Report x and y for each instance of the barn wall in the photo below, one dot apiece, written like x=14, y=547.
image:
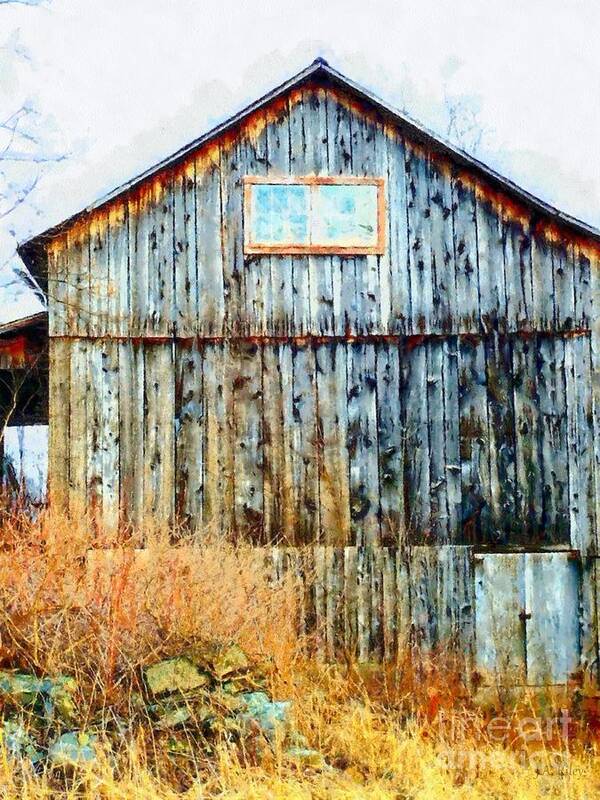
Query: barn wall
x=167, y=258
x=503, y=302
x=428, y=440
x=385, y=421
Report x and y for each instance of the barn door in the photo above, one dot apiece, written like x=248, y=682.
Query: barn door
x=527, y=617
x=552, y=599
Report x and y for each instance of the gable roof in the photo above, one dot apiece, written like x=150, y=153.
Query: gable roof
x=321, y=69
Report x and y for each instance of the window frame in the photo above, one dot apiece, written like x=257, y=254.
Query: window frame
x=257, y=248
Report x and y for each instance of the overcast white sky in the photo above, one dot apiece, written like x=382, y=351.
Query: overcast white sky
x=122, y=83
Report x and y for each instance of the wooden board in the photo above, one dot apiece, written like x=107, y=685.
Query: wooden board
x=543, y=306
x=159, y=439
x=473, y=432
x=316, y=161
x=464, y=216
x=98, y=282
x=390, y=435
x=554, y=449
x=499, y=622
x=580, y=445
x=77, y=428
x=57, y=276
x=445, y=295
x=246, y=387
x=118, y=290
x=416, y=443
x=280, y=514
x=59, y=423
x=300, y=442
x=339, y=138
x=281, y=283
x=219, y=486
x=185, y=256
x=419, y=234
x=362, y=445
x=400, y=318
x=588, y=628
x=528, y=430
x=583, y=283
x=131, y=434
x=160, y=257
x=503, y=523
x=452, y=466
x=302, y=163
x=442, y=599
x=78, y=289
x=332, y=410
x=595, y=386
x=366, y=142
x=109, y=421
x=552, y=599
x=563, y=277
x=209, y=252
x=138, y=211
x=189, y=429
x=492, y=280
x=94, y=431
x=257, y=295
x=437, y=434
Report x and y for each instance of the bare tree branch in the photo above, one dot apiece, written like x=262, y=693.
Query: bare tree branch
x=22, y=2
x=20, y=198
x=20, y=155
x=24, y=143
x=464, y=126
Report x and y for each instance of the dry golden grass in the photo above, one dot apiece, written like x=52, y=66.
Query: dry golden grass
x=393, y=732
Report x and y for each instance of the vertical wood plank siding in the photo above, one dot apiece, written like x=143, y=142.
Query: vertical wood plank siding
x=460, y=257
x=374, y=418
x=340, y=443
x=467, y=417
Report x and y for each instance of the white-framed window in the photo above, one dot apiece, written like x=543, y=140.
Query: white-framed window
x=336, y=215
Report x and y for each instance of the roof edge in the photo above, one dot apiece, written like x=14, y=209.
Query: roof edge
x=457, y=154
x=28, y=249
x=24, y=322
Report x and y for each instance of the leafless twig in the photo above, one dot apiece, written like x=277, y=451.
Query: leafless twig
x=22, y=2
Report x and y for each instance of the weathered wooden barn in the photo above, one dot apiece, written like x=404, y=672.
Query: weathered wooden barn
x=320, y=327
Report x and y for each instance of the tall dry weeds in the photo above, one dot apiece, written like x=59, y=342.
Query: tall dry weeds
x=400, y=730
x=100, y=614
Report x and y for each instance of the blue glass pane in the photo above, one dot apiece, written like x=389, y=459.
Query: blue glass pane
x=345, y=215
x=279, y=214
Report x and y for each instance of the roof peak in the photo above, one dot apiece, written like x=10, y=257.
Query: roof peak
x=320, y=65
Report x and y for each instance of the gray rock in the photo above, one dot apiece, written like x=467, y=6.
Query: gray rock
x=173, y=675
x=73, y=749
